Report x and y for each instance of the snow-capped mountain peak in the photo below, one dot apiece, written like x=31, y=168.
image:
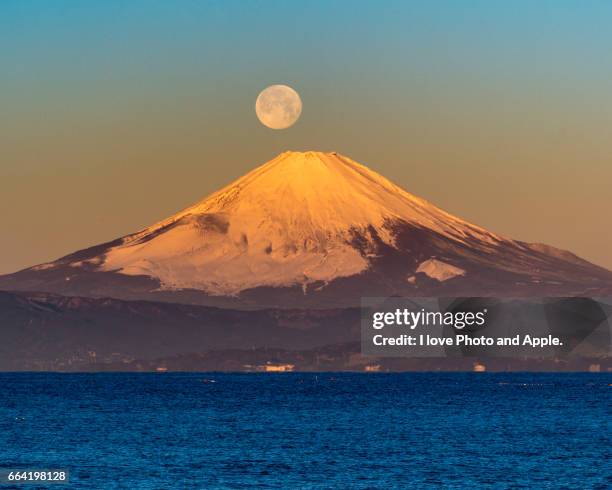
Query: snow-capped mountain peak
x=289, y=221
x=320, y=229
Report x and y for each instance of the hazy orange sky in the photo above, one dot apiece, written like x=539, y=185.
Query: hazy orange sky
x=117, y=114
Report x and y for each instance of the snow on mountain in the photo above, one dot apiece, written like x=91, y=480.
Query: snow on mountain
x=312, y=229
x=439, y=270
x=290, y=221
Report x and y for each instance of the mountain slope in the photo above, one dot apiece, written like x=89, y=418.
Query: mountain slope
x=46, y=331
x=316, y=229
x=290, y=221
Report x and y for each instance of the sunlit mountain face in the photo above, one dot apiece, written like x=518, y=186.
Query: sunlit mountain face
x=312, y=229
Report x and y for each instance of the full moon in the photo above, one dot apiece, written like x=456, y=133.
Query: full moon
x=278, y=106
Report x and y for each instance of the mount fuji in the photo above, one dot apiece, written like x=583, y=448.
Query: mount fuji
x=312, y=229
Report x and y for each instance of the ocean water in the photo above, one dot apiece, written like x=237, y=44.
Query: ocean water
x=416, y=430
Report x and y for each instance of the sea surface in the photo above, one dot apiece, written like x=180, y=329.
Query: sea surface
x=416, y=430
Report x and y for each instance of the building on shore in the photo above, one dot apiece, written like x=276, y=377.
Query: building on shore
x=479, y=367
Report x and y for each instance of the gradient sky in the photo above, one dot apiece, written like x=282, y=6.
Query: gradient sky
x=116, y=114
